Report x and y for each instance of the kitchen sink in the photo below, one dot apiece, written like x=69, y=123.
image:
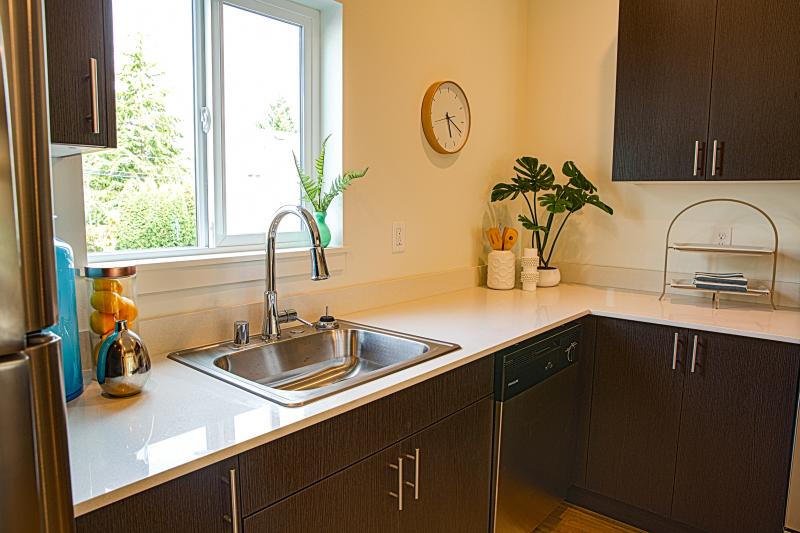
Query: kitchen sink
x=307, y=364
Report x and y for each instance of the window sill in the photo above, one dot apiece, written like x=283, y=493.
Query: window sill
x=166, y=274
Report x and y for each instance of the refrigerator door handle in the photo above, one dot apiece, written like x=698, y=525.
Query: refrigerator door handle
x=27, y=136
x=50, y=428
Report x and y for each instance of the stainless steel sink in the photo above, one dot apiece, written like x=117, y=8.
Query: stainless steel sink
x=306, y=364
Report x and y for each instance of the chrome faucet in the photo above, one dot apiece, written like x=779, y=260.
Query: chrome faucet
x=273, y=318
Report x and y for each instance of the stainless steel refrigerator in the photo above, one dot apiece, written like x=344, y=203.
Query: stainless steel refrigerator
x=35, y=494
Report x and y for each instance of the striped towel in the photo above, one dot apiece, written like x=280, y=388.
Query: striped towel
x=722, y=287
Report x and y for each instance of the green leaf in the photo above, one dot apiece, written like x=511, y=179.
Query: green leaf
x=595, y=201
x=527, y=223
x=576, y=177
x=501, y=191
x=310, y=186
x=338, y=186
x=319, y=164
x=534, y=176
x=554, y=202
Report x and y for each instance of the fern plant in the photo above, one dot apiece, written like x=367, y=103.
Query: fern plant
x=314, y=187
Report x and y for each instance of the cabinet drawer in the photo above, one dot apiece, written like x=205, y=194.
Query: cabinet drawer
x=280, y=468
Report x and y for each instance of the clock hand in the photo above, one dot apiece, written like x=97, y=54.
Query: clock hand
x=450, y=131
x=454, y=125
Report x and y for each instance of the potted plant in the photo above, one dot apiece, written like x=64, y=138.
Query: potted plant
x=538, y=179
x=314, y=189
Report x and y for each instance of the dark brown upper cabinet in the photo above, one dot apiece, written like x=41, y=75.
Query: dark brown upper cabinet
x=755, y=96
x=664, y=57
x=80, y=65
x=707, y=90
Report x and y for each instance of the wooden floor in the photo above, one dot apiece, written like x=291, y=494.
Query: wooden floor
x=571, y=519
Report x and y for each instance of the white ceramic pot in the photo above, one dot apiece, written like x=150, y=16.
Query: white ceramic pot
x=501, y=273
x=549, y=277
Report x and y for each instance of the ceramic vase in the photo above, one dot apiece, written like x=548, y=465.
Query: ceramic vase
x=529, y=263
x=549, y=276
x=324, y=230
x=501, y=273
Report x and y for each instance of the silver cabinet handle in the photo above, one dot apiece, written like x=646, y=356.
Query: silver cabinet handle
x=675, y=352
x=714, y=159
x=694, y=353
x=234, y=516
x=696, y=156
x=399, y=493
x=95, y=117
x=414, y=458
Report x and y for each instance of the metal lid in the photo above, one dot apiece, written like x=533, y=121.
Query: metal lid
x=115, y=271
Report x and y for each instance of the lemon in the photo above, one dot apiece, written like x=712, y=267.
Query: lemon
x=127, y=310
x=101, y=323
x=105, y=301
x=105, y=284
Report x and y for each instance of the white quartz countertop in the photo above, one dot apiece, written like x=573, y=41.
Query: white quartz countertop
x=185, y=420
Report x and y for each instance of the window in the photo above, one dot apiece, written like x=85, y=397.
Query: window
x=213, y=100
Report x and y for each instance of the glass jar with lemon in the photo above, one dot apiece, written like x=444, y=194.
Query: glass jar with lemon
x=112, y=297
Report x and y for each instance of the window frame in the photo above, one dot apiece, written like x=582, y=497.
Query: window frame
x=308, y=20
x=209, y=142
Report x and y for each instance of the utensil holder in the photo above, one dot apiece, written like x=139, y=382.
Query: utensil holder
x=501, y=272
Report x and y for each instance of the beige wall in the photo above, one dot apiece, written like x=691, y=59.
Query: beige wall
x=392, y=52
x=572, y=61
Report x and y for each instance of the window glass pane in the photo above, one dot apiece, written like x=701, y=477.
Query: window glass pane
x=142, y=194
x=262, y=78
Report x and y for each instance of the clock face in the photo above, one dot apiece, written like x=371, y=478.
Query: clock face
x=446, y=117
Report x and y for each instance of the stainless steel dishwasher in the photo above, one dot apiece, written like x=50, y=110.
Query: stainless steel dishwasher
x=536, y=410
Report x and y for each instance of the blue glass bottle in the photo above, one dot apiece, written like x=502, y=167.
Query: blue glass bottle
x=67, y=326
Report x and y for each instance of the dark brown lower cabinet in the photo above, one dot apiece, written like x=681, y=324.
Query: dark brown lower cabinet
x=635, y=412
x=199, y=502
x=454, y=473
x=705, y=446
x=735, y=442
x=444, y=481
x=356, y=499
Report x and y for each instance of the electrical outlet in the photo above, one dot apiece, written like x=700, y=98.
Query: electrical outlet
x=398, y=237
x=723, y=236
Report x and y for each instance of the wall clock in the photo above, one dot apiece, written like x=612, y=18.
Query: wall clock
x=446, y=118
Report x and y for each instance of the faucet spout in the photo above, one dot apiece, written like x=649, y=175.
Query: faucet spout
x=319, y=267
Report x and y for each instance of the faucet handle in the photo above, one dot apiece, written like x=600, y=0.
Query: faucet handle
x=287, y=315
x=241, y=333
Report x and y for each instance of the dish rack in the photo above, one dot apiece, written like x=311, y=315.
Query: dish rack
x=717, y=249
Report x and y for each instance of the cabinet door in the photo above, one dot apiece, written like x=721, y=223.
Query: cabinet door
x=736, y=434
x=664, y=56
x=356, y=499
x=755, y=100
x=450, y=462
x=636, y=403
x=199, y=502
x=82, y=108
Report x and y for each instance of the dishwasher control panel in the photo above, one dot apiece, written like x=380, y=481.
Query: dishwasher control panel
x=528, y=363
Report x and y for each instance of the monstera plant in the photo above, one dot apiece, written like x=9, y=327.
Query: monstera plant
x=558, y=201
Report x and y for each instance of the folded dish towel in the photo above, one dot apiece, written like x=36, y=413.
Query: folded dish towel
x=726, y=280
x=720, y=274
x=722, y=287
